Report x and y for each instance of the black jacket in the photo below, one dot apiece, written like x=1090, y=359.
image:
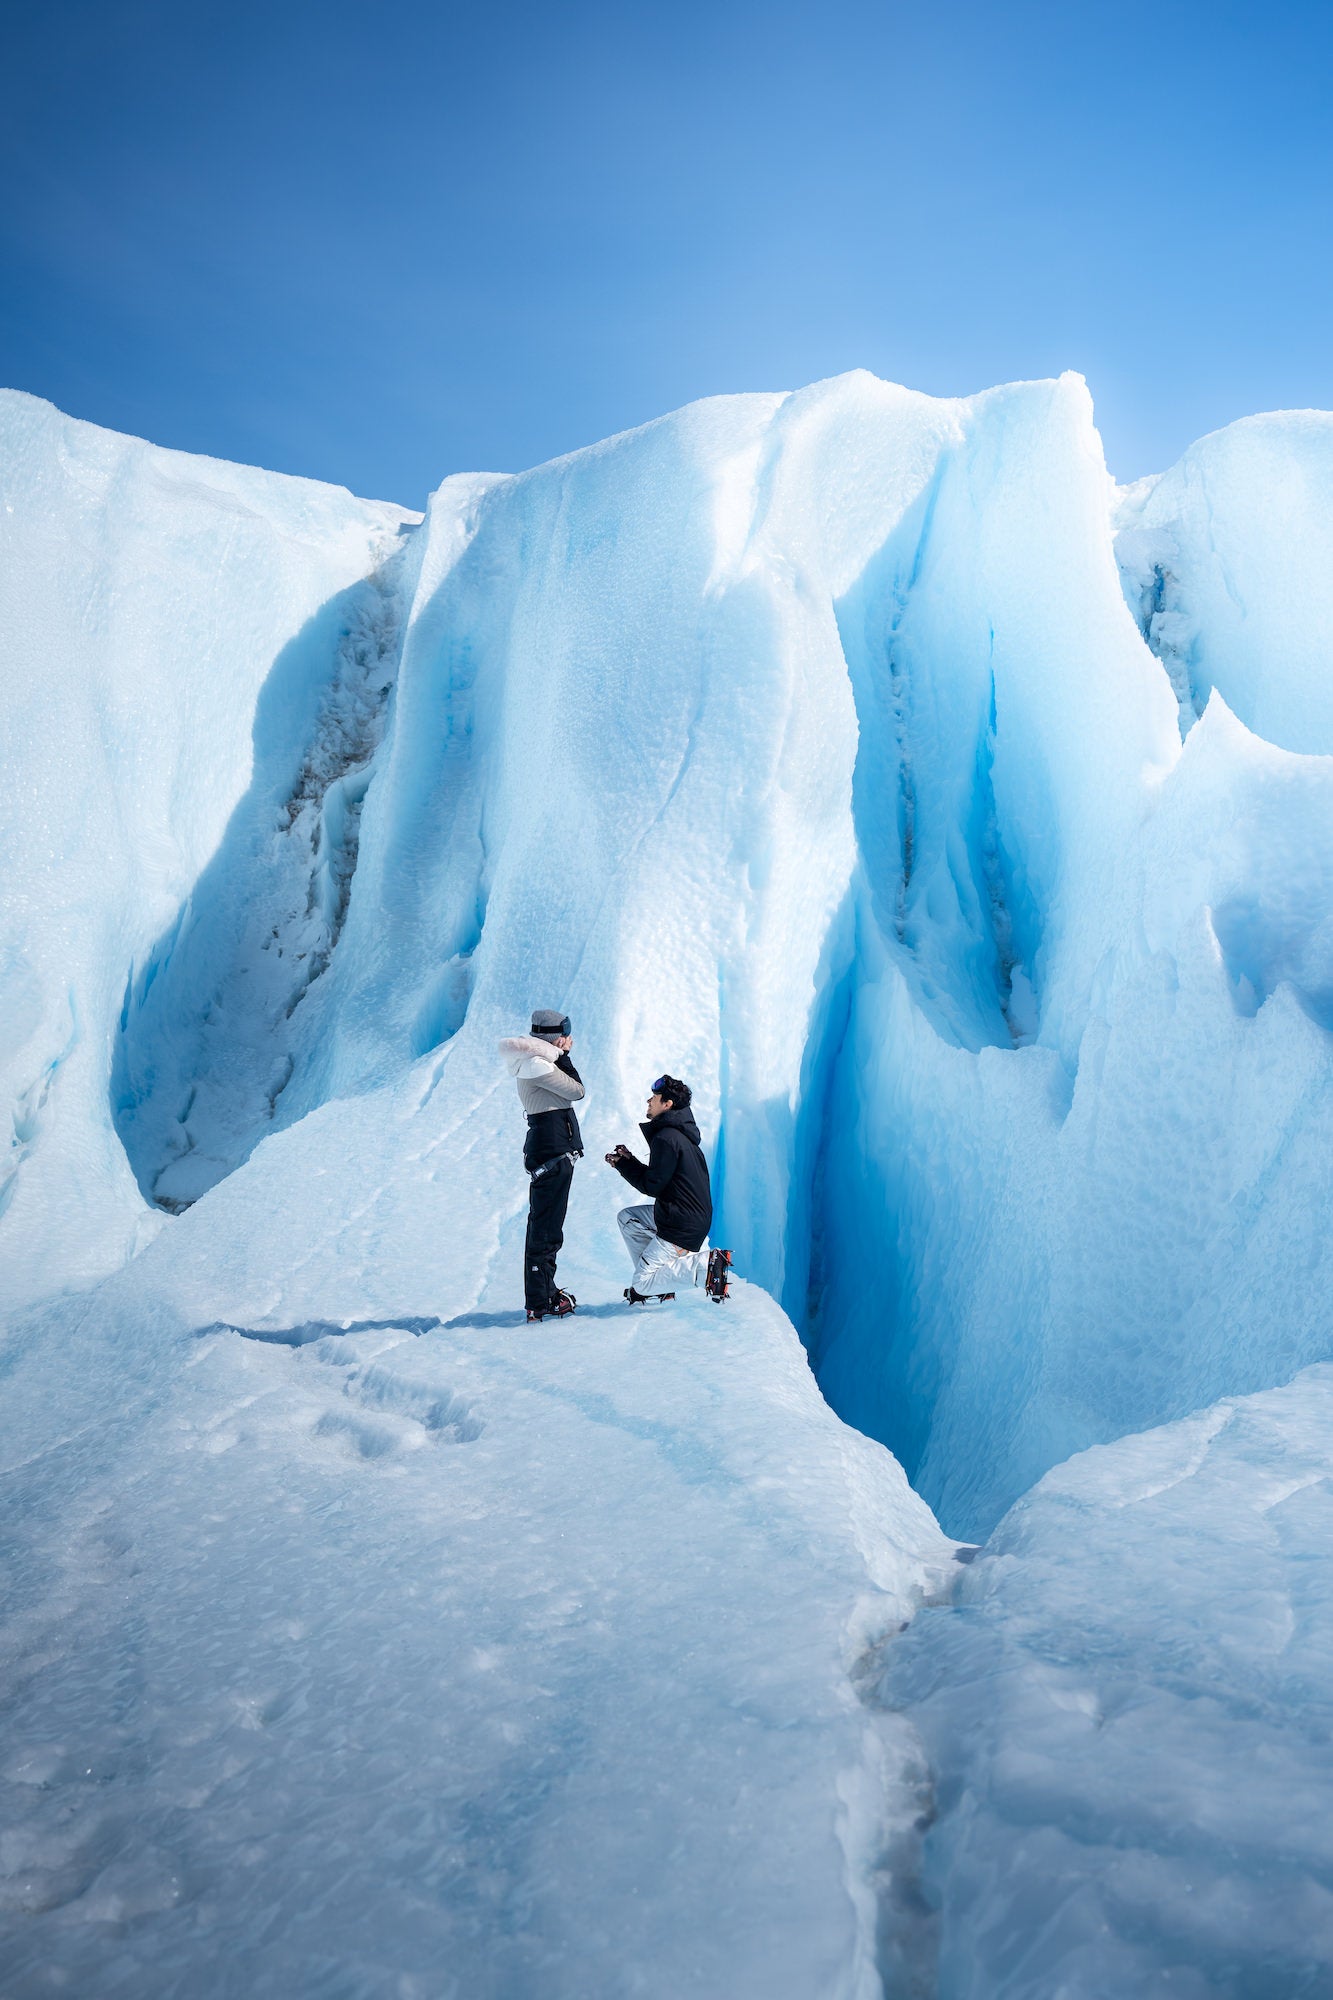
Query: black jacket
x=676, y=1176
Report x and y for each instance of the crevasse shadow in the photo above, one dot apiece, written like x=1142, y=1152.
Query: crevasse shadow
x=209, y=1034
x=609, y=1309
x=311, y=1330
x=943, y=877
x=317, y=1329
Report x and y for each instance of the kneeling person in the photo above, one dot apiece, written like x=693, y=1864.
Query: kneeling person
x=667, y=1235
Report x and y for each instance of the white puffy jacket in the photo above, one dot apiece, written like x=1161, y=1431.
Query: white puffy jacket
x=541, y=1086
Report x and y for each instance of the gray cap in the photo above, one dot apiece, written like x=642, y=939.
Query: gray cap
x=548, y=1024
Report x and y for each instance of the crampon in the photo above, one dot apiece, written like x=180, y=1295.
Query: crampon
x=560, y=1307
x=718, y=1282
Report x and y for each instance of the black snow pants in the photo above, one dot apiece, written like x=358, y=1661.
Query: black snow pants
x=548, y=1198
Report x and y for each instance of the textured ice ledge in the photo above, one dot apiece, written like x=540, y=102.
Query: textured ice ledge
x=1131, y=1717
x=531, y=1654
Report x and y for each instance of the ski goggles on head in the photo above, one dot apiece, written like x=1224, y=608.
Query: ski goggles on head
x=659, y=1086
x=551, y=1026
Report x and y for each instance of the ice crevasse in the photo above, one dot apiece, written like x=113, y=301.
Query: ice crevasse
x=957, y=824
x=813, y=742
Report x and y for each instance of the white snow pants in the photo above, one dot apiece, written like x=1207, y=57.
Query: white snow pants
x=658, y=1266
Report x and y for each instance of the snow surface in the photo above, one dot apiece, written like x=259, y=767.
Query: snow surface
x=446, y=1656
x=835, y=750
x=1130, y=1721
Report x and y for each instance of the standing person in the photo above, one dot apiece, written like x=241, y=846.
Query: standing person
x=667, y=1235
x=548, y=1087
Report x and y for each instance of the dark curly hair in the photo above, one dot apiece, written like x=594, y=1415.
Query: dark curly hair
x=672, y=1087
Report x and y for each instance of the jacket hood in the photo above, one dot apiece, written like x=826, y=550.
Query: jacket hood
x=681, y=1117
x=519, y=1049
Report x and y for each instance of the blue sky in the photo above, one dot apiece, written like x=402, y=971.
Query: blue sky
x=380, y=243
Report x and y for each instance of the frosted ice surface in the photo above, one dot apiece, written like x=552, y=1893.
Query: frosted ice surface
x=1074, y=1174
x=809, y=746
x=431, y=1648
x=808, y=741
x=437, y=1653
x=159, y=612
x=1227, y=562
x=1130, y=1720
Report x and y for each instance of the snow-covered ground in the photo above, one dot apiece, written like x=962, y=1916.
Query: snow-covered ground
x=1130, y=1720
x=444, y=1655
x=962, y=829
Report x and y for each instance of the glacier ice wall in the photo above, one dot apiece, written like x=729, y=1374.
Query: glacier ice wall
x=828, y=749
x=1228, y=563
x=160, y=614
x=1114, y=1213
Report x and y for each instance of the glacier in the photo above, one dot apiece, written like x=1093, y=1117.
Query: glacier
x=1128, y=1719
x=958, y=824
